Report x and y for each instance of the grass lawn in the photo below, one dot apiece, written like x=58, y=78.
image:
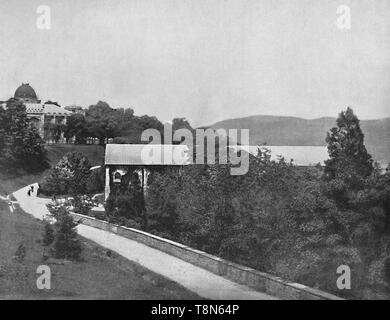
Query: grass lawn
x=101, y=274
x=11, y=183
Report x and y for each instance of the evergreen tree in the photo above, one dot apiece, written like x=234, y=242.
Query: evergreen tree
x=66, y=243
x=349, y=160
x=69, y=176
x=20, y=144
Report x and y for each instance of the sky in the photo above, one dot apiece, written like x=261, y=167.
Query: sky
x=206, y=60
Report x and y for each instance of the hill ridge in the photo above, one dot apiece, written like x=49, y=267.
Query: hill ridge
x=296, y=131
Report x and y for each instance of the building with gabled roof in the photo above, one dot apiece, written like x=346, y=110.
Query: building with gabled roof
x=41, y=115
x=124, y=161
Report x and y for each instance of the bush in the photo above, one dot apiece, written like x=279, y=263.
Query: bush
x=48, y=234
x=82, y=205
x=126, y=203
x=20, y=253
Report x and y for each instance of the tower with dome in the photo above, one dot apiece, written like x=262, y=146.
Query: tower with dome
x=42, y=116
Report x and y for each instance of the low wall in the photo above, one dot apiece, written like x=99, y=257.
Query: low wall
x=257, y=280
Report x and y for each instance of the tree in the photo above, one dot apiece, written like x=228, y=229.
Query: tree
x=53, y=131
x=103, y=121
x=181, y=123
x=376, y=193
x=132, y=128
x=52, y=102
x=127, y=119
x=96, y=181
x=127, y=201
x=349, y=160
x=76, y=126
x=20, y=144
x=69, y=176
x=66, y=243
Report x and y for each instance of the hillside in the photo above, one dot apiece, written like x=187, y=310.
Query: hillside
x=101, y=274
x=94, y=153
x=292, y=131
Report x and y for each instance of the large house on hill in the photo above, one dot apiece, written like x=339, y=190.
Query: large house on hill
x=41, y=115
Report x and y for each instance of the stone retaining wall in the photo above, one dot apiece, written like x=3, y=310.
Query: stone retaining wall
x=257, y=280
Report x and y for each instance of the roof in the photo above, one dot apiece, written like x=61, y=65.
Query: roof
x=49, y=109
x=25, y=91
x=146, y=154
x=53, y=109
x=34, y=107
x=301, y=155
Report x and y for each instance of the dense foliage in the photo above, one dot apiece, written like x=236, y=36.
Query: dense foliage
x=126, y=204
x=76, y=126
x=69, y=176
x=278, y=218
x=95, y=181
x=298, y=223
x=103, y=122
x=21, y=147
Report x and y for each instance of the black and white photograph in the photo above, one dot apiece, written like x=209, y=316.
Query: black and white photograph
x=208, y=151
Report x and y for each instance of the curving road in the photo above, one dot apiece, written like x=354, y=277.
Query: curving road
x=196, y=279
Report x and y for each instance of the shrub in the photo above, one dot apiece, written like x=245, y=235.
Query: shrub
x=48, y=234
x=20, y=253
x=82, y=205
x=126, y=203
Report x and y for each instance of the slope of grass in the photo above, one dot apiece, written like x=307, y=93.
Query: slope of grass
x=101, y=274
x=11, y=182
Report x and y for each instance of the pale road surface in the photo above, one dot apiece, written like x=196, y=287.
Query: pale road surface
x=198, y=280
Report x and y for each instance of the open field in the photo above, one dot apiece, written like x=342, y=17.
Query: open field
x=10, y=183
x=101, y=274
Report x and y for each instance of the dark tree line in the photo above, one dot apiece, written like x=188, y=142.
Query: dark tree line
x=103, y=122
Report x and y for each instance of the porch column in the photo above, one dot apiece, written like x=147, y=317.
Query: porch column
x=107, y=187
x=42, y=126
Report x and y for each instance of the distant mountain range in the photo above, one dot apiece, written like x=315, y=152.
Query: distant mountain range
x=292, y=131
